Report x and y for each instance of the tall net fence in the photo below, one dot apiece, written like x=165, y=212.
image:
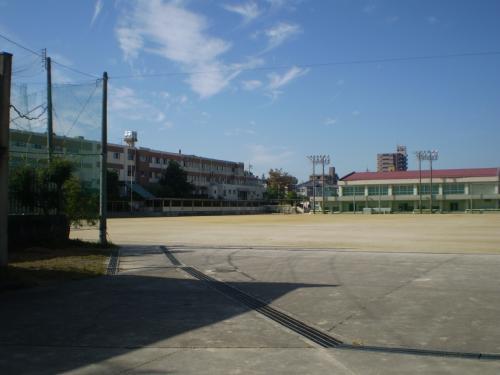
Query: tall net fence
x=64, y=178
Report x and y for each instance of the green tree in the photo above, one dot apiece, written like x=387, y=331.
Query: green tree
x=22, y=186
x=51, y=180
x=279, y=184
x=80, y=204
x=113, y=185
x=53, y=188
x=173, y=182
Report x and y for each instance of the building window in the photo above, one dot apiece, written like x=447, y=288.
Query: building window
x=116, y=155
x=378, y=190
x=426, y=189
x=130, y=155
x=130, y=170
x=402, y=190
x=453, y=189
x=354, y=190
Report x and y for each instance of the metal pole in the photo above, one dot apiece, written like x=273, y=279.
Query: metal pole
x=323, y=185
x=5, y=77
x=420, y=183
x=379, y=198
x=50, y=131
x=431, y=182
x=314, y=186
x=103, y=209
x=131, y=184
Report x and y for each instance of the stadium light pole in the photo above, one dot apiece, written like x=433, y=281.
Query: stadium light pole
x=324, y=161
x=316, y=159
x=431, y=156
x=313, y=159
x=419, y=155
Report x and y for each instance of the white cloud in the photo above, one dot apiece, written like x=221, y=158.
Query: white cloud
x=330, y=121
x=181, y=36
x=97, y=11
x=126, y=103
x=130, y=42
x=277, y=81
x=265, y=158
x=248, y=11
x=290, y=5
x=251, y=84
x=280, y=33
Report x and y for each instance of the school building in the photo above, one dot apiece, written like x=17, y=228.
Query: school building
x=453, y=190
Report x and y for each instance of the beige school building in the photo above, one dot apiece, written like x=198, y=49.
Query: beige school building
x=453, y=190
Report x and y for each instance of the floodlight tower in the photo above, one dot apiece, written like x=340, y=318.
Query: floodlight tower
x=420, y=157
x=431, y=156
x=130, y=137
x=316, y=159
x=325, y=159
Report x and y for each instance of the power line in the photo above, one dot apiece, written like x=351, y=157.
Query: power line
x=314, y=65
x=20, y=45
x=75, y=70
x=42, y=55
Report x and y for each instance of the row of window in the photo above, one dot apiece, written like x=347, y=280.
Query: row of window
x=403, y=189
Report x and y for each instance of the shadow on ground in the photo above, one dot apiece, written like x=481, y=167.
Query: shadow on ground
x=97, y=319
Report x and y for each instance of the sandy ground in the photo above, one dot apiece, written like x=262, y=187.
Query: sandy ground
x=459, y=233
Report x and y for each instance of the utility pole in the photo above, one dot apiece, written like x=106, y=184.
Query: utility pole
x=5, y=77
x=103, y=201
x=50, y=131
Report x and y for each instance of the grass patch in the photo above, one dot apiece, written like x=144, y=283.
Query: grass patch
x=45, y=265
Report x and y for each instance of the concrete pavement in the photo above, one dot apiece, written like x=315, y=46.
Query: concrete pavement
x=154, y=318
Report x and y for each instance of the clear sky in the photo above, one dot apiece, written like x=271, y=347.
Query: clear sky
x=246, y=84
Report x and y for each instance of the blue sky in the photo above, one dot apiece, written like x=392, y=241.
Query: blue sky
x=238, y=107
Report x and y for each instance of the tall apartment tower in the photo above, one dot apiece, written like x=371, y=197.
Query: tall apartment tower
x=394, y=161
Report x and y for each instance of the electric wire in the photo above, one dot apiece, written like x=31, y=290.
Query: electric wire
x=42, y=56
x=314, y=65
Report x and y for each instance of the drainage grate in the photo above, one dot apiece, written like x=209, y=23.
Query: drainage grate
x=322, y=339
x=113, y=263
x=170, y=256
x=293, y=324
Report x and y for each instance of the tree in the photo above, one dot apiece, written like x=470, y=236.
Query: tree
x=113, y=185
x=279, y=183
x=173, y=182
x=54, y=188
x=80, y=204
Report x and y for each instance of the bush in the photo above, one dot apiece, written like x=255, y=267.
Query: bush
x=54, y=189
